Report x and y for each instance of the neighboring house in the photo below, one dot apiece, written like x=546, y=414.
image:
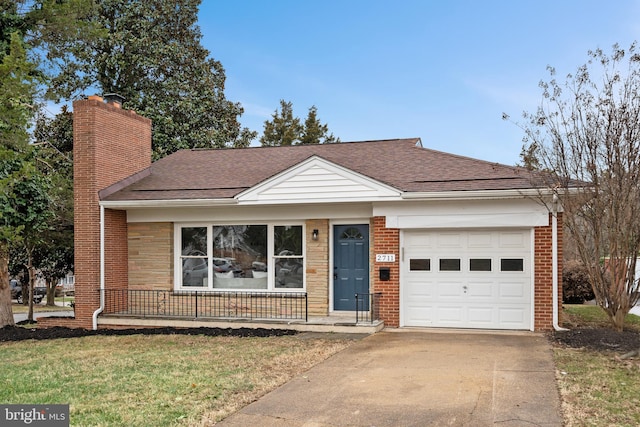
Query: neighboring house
x=66, y=284
x=424, y=238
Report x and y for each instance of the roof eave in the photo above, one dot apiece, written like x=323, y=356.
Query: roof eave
x=477, y=194
x=173, y=203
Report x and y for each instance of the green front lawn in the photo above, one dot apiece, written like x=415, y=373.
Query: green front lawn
x=593, y=316
x=597, y=387
x=158, y=380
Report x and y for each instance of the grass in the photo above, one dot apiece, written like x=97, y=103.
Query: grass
x=593, y=316
x=597, y=388
x=138, y=380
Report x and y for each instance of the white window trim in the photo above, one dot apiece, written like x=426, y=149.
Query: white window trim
x=271, y=256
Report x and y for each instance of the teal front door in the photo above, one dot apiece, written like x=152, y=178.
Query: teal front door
x=350, y=266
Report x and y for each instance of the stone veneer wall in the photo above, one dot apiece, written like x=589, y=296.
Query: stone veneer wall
x=318, y=267
x=151, y=256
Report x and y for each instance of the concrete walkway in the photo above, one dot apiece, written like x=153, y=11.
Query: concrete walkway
x=420, y=378
x=19, y=317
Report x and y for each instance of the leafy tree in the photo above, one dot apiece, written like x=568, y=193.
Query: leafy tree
x=18, y=87
x=586, y=137
x=20, y=81
x=17, y=92
x=150, y=53
x=286, y=129
x=283, y=129
x=54, y=154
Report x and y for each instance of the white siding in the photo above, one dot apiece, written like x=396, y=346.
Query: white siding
x=315, y=181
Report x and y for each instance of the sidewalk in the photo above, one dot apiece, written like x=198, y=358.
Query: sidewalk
x=20, y=317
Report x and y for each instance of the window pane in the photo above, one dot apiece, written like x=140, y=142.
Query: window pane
x=476, y=264
x=420, y=264
x=239, y=251
x=450, y=264
x=194, y=272
x=194, y=241
x=239, y=248
x=287, y=240
x=352, y=233
x=289, y=272
x=511, y=264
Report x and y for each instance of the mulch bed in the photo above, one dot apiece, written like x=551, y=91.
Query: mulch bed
x=599, y=339
x=17, y=333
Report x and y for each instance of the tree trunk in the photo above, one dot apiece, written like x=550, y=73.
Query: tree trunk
x=32, y=279
x=51, y=292
x=6, y=312
x=617, y=319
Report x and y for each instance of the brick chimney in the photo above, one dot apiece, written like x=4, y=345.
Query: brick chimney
x=110, y=144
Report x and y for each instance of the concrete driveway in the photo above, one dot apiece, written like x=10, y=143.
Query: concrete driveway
x=420, y=378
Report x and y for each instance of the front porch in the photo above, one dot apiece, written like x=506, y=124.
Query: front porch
x=128, y=308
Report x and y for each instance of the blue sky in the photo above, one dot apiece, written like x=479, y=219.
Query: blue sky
x=443, y=71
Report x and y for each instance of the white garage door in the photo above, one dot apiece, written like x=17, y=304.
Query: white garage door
x=467, y=279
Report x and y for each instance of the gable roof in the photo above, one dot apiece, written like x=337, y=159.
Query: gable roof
x=402, y=164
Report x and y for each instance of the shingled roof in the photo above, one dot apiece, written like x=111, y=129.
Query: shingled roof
x=400, y=163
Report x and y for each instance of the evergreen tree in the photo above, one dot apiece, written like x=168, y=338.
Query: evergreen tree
x=314, y=131
x=24, y=199
x=283, y=129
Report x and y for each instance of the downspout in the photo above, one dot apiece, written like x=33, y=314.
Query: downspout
x=554, y=261
x=101, y=308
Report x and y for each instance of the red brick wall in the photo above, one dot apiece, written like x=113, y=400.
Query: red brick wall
x=543, y=275
x=110, y=144
x=387, y=241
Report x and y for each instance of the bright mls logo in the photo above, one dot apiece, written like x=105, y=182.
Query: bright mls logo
x=34, y=415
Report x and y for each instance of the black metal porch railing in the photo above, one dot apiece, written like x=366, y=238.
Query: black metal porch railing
x=198, y=304
x=368, y=307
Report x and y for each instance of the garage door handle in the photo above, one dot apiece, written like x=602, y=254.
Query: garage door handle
x=465, y=288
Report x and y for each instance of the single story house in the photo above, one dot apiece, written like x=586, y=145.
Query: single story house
x=412, y=236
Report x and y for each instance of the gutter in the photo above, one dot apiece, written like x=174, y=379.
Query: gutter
x=101, y=308
x=174, y=203
x=472, y=194
x=554, y=261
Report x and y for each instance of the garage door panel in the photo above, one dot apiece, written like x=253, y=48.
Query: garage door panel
x=480, y=240
x=512, y=240
x=481, y=315
x=514, y=316
x=481, y=293
x=420, y=240
x=510, y=290
x=480, y=290
x=449, y=240
x=421, y=315
x=449, y=289
x=450, y=314
x=417, y=289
